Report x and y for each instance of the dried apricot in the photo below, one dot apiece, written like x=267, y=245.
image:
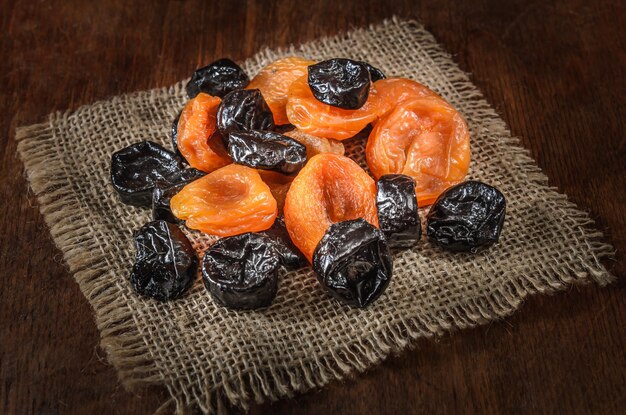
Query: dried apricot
x=316, y=145
x=197, y=139
x=425, y=138
x=274, y=81
x=226, y=202
x=329, y=189
x=394, y=91
x=322, y=120
x=279, y=185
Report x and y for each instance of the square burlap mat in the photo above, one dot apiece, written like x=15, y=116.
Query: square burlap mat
x=205, y=355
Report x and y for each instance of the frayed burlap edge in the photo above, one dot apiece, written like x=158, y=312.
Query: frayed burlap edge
x=129, y=353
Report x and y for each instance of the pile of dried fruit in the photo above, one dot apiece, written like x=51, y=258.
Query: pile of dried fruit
x=267, y=173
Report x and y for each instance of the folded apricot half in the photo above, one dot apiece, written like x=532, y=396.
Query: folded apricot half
x=229, y=201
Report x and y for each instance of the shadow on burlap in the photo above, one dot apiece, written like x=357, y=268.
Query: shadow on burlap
x=207, y=356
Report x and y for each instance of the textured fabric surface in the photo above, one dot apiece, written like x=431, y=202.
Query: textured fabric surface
x=205, y=355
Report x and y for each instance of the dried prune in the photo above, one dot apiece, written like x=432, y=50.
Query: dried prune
x=274, y=81
x=397, y=209
x=241, y=272
x=342, y=83
x=197, y=138
x=316, y=145
x=136, y=169
x=266, y=150
x=467, y=217
x=165, y=263
x=322, y=120
x=165, y=190
x=174, y=134
x=329, y=189
x=425, y=138
x=243, y=110
x=226, y=202
x=375, y=73
x=217, y=79
x=353, y=263
x=290, y=256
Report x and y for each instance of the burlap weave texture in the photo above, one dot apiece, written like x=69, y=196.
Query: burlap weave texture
x=204, y=354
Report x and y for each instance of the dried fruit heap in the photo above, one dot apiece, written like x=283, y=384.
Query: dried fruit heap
x=269, y=147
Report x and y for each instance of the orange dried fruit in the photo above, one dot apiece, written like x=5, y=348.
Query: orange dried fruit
x=229, y=201
x=316, y=145
x=425, y=138
x=394, y=91
x=329, y=189
x=198, y=141
x=279, y=185
x=322, y=120
x=274, y=81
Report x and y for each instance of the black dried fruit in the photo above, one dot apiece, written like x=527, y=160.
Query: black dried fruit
x=290, y=256
x=266, y=150
x=375, y=73
x=165, y=190
x=165, y=264
x=353, y=263
x=217, y=79
x=342, y=83
x=175, y=135
x=467, y=217
x=136, y=169
x=243, y=110
x=241, y=272
x=398, y=216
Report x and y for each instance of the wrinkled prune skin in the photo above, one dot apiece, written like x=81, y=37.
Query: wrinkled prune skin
x=166, y=189
x=165, y=263
x=398, y=216
x=175, y=135
x=243, y=110
x=375, y=73
x=241, y=272
x=267, y=150
x=217, y=79
x=136, y=169
x=353, y=263
x=467, y=217
x=342, y=83
x=290, y=256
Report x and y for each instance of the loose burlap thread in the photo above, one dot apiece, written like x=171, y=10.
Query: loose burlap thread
x=205, y=355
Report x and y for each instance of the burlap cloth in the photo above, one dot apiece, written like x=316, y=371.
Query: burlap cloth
x=205, y=355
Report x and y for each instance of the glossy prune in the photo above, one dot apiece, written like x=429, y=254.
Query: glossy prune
x=266, y=150
x=243, y=110
x=241, y=272
x=353, y=263
x=165, y=263
x=217, y=79
x=342, y=83
x=290, y=256
x=136, y=169
x=375, y=73
x=398, y=216
x=467, y=217
x=174, y=134
x=165, y=190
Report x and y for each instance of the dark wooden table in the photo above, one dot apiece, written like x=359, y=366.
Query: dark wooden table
x=556, y=71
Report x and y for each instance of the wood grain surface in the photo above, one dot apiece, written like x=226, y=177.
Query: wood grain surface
x=556, y=72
